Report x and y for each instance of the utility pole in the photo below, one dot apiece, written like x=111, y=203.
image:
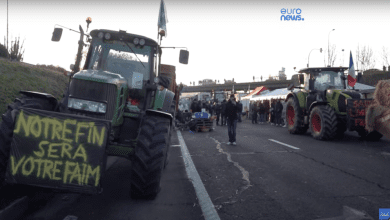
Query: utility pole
x=7, y=26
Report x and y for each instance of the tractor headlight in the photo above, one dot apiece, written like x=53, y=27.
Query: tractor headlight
x=156, y=80
x=100, y=35
x=107, y=36
x=142, y=42
x=87, y=105
x=136, y=41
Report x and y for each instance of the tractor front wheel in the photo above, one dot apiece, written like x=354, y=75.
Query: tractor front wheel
x=323, y=123
x=294, y=118
x=6, y=134
x=149, y=157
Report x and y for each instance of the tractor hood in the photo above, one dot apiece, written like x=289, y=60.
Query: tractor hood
x=100, y=76
x=351, y=93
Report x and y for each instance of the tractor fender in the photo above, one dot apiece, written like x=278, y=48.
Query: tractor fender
x=163, y=100
x=40, y=95
x=295, y=97
x=159, y=113
x=316, y=103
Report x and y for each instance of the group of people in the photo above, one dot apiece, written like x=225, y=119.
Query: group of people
x=262, y=109
x=230, y=112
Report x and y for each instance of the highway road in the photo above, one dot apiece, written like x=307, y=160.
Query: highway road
x=270, y=174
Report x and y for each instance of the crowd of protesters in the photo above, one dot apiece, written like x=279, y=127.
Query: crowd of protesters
x=272, y=111
x=260, y=112
x=228, y=113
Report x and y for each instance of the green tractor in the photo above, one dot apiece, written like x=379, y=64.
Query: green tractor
x=117, y=105
x=324, y=105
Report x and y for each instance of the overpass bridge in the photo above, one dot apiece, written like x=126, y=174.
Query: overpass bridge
x=271, y=85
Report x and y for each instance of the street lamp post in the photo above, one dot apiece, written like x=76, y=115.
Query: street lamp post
x=308, y=59
x=328, y=46
x=343, y=56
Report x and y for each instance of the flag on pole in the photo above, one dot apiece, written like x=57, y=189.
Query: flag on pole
x=351, y=72
x=162, y=18
x=233, y=88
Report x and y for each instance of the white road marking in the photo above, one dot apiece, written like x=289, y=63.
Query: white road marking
x=287, y=145
x=205, y=202
x=176, y=145
x=245, y=174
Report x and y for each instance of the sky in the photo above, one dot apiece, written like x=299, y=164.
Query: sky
x=226, y=39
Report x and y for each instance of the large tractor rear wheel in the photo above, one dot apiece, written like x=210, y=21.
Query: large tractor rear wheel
x=149, y=158
x=323, y=123
x=294, y=118
x=7, y=128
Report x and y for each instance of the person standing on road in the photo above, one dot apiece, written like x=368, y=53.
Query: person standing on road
x=231, y=114
x=247, y=111
x=239, y=114
x=194, y=106
x=254, y=113
x=218, y=111
x=272, y=121
x=250, y=109
x=278, y=113
x=213, y=109
x=262, y=112
x=223, y=112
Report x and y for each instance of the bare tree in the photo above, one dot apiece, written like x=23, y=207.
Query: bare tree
x=385, y=56
x=16, y=52
x=332, y=55
x=357, y=58
x=366, y=58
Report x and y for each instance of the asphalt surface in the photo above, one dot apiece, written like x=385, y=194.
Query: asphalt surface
x=270, y=174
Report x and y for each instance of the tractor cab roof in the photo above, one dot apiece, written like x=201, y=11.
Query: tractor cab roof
x=321, y=69
x=122, y=35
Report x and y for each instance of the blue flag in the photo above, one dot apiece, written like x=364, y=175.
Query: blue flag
x=162, y=18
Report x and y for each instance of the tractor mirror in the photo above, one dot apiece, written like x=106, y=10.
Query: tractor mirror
x=301, y=79
x=71, y=67
x=184, y=56
x=57, y=33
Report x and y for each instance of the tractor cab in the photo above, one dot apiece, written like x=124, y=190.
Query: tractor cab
x=323, y=78
x=128, y=55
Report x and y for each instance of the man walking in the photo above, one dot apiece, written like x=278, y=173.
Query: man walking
x=231, y=114
x=254, y=113
x=239, y=113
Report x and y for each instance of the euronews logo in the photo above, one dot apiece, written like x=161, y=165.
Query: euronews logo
x=291, y=14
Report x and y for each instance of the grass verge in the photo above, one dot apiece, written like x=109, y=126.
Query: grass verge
x=16, y=76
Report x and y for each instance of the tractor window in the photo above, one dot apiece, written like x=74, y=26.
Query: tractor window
x=116, y=57
x=328, y=80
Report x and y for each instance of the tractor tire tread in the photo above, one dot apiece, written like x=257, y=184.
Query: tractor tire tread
x=149, y=158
